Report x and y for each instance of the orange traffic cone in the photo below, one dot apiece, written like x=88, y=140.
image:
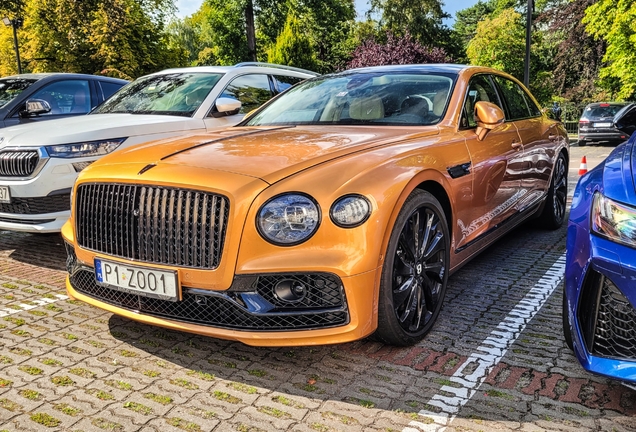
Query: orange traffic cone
x=583, y=166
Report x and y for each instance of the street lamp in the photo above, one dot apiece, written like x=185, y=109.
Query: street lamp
x=16, y=23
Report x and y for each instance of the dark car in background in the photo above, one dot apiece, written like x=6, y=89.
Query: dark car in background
x=607, y=122
x=66, y=94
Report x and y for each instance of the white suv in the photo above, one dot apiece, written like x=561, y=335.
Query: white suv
x=39, y=162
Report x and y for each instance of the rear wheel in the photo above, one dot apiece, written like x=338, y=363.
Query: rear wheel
x=553, y=213
x=415, y=271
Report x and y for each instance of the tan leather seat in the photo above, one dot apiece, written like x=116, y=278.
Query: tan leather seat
x=366, y=108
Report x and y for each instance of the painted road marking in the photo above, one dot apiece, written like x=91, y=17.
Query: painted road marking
x=486, y=356
x=36, y=303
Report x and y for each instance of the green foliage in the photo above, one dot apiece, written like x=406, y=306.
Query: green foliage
x=613, y=21
x=422, y=19
x=293, y=47
x=500, y=43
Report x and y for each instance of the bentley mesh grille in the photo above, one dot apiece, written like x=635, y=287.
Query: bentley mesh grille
x=18, y=163
x=152, y=224
x=615, y=333
x=216, y=310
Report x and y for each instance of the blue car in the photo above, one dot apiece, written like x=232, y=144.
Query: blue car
x=599, y=301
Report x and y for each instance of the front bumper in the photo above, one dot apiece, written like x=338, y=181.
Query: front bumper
x=600, y=290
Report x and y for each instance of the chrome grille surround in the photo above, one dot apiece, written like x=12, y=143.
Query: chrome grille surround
x=162, y=225
x=21, y=163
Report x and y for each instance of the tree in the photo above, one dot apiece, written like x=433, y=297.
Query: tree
x=577, y=55
x=293, y=47
x=397, y=50
x=613, y=22
x=421, y=19
x=500, y=43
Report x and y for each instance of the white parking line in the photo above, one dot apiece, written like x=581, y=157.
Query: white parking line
x=486, y=356
x=36, y=303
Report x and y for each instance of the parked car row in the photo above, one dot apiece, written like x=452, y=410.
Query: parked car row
x=334, y=211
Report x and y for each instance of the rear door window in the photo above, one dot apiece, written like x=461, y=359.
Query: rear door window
x=252, y=90
x=284, y=82
x=516, y=100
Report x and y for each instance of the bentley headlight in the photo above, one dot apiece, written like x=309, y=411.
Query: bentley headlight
x=350, y=211
x=614, y=221
x=288, y=219
x=84, y=149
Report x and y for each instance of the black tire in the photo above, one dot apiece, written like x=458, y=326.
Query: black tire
x=553, y=213
x=415, y=271
x=567, y=330
x=581, y=143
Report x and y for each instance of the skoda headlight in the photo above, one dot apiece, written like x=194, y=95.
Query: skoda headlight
x=288, y=219
x=84, y=149
x=614, y=221
x=350, y=211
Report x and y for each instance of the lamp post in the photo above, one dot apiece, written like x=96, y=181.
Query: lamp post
x=526, y=74
x=15, y=23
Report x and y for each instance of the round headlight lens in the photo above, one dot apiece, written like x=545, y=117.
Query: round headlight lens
x=350, y=211
x=289, y=219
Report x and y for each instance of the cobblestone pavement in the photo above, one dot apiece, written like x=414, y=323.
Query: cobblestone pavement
x=492, y=362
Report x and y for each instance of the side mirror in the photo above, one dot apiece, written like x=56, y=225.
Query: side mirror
x=34, y=107
x=227, y=106
x=488, y=116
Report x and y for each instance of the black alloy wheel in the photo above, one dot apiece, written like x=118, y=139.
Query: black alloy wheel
x=553, y=213
x=415, y=271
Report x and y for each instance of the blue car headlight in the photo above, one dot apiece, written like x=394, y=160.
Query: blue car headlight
x=84, y=149
x=613, y=220
x=288, y=219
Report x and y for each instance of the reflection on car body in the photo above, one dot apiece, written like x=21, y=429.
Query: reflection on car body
x=337, y=210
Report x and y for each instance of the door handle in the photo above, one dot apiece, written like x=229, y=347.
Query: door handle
x=517, y=145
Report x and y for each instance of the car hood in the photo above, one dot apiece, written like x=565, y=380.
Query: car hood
x=619, y=168
x=94, y=127
x=266, y=153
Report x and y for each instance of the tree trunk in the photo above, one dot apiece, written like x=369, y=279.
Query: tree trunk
x=249, y=29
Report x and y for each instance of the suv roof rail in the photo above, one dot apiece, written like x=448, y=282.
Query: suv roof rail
x=278, y=66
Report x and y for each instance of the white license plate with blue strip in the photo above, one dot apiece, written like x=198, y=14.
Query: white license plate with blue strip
x=144, y=281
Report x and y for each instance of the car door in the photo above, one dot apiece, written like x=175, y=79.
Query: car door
x=625, y=120
x=494, y=165
x=252, y=90
x=538, y=136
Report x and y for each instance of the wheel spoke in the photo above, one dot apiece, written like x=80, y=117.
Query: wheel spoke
x=410, y=303
x=437, y=244
x=407, y=248
x=417, y=234
x=435, y=270
x=404, y=291
x=427, y=232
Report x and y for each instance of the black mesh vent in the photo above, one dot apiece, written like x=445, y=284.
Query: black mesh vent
x=615, y=334
x=37, y=205
x=152, y=224
x=18, y=163
x=323, y=290
x=220, y=310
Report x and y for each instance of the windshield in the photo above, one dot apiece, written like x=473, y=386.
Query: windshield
x=10, y=88
x=414, y=98
x=178, y=94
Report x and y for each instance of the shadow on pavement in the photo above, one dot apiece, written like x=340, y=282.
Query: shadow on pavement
x=44, y=250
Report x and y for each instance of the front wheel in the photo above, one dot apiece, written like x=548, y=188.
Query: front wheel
x=415, y=271
x=553, y=213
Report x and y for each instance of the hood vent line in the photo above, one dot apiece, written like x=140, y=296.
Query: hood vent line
x=219, y=140
x=146, y=168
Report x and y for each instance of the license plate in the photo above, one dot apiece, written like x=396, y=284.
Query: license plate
x=602, y=125
x=142, y=281
x=5, y=195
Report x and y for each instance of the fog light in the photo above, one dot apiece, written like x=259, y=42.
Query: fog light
x=350, y=211
x=290, y=290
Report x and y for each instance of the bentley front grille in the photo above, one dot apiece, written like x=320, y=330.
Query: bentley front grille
x=18, y=163
x=160, y=225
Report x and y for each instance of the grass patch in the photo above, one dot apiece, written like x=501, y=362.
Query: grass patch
x=62, y=380
x=226, y=397
x=257, y=372
x=5, y=383
x=499, y=394
x=100, y=394
x=344, y=419
x=47, y=341
x=121, y=385
x=9, y=405
x=182, y=352
x=151, y=373
x=150, y=343
x=119, y=335
x=5, y=360
x=53, y=308
x=69, y=336
x=9, y=285
x=21, y=333
x=45, y=419
x=31, y=370
x=95, y=343
x=67, y=409
x=40, y=287
x=13, y=320
x=84, y=373
x=51, y=362
x=127, y=353
x=102, y=423
x=162, y=399
x=138, y=408
x=274, y=412
x=242, y=387
x=184, y=383
x=362, y=402
x=201, y=375
x=183, y=424
x=202, y=413
x=78, y=350
x=30, y=394
x=79, y=314
x=37, y=313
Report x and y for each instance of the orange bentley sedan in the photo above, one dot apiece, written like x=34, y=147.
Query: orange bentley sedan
x=336, y=211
